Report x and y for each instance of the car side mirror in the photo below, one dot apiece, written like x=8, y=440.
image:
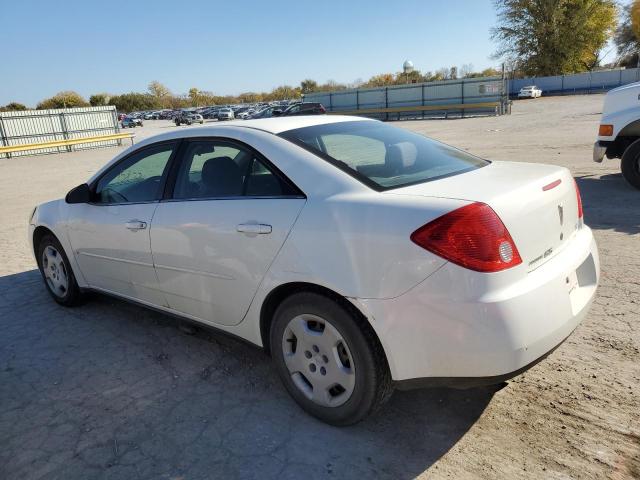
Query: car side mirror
x=80, y=194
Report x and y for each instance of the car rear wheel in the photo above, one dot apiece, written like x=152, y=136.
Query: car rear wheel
x=631, y=164
x=57, y=273
x=328, y=359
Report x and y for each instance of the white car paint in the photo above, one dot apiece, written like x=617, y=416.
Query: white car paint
x=433, y=318
x=530, y=92
x=621, y=110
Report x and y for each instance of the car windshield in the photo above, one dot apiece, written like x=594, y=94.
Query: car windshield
x=382, y=156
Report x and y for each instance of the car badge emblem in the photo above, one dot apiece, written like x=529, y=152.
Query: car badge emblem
x=561, y=214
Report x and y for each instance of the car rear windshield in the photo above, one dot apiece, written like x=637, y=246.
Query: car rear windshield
x=381, y=156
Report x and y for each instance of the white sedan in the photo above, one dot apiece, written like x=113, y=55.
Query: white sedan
x=530, y=91
x=362, y=256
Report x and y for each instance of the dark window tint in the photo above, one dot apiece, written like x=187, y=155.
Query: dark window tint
x=383, y=156
x=138, y=178
x=217, y=169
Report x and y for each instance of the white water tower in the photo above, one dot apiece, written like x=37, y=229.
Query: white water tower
x=407, y=68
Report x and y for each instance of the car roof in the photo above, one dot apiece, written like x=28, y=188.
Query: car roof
x=270, y=125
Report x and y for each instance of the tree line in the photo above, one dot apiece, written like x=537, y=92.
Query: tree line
x=158, y=96
x=534, y=38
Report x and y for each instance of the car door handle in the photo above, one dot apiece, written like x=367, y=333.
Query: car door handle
x=254, y=228
x=136, y=225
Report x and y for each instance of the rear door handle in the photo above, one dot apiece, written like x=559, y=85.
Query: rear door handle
x=136, y=225
x=254, y=228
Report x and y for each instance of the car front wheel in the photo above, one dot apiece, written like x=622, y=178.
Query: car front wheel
x=57, y=273
x=631, y=164
x=329, y=359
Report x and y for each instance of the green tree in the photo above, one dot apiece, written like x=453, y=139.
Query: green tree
x=413, y=77
x=381, y=80
x=308, y=86
x=130, y=102
x=551, y=37
x=67, y=99
x=194, y=96
x=250, y=97
x=99, y=99
x=627, y=37
x=284, y=92
x=13, y=107
x=158, y=90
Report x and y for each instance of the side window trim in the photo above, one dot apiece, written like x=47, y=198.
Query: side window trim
x=179, y=159
x=177, y=145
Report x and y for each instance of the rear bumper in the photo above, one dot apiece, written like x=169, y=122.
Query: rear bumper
x=599, y=151
x=463, y=328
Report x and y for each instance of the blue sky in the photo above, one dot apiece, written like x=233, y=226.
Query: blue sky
x=228, y=47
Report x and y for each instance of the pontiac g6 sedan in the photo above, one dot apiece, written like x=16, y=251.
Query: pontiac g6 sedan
x=362, y=256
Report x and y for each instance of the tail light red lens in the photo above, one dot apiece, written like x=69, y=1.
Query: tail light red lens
x=472, y=236
x=580, y=213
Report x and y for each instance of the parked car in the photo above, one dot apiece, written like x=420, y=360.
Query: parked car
x=246, y=114
x=360, y=255
x=225, y=114
x=267, y=112
x=619, y=131
x=304, y=108
x=128, y=122
x=530, y=92
x=187, y=118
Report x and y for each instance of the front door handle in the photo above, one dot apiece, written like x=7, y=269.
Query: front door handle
x=254, y=228
x=136, y=225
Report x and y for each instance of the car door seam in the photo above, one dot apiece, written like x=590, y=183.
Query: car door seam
x=286, y=238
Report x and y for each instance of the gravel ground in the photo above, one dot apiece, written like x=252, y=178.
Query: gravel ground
x=109, y=390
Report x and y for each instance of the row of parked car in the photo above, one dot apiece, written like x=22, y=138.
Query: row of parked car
x=224, y=112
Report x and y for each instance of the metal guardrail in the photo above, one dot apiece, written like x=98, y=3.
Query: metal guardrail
x=63, y=143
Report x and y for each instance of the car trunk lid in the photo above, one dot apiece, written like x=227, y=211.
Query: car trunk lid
x=537, y=203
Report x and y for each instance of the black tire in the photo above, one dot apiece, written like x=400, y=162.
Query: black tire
x=630, y=165
x=373, y=385
x=73, y=295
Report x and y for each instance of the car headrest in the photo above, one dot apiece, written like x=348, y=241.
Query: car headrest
x=221, y=176
x=401, y=155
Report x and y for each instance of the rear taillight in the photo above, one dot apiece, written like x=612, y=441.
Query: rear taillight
x=472, y=236
x=580, y=213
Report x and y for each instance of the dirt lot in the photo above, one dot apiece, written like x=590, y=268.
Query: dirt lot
x=109, y=390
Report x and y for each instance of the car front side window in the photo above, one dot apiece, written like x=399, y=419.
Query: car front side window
x=136, y=179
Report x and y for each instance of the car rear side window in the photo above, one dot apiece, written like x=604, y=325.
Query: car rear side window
x=218, y=169
x=381, y=156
